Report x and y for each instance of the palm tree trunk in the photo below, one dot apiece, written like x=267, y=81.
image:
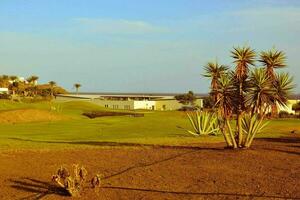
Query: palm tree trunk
x=231, y=134
x=274, y=110
x=239, y=116
x=226, y=137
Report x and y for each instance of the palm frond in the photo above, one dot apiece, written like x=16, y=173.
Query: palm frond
x=283, y=86
x=243, y=58
x=260, y=90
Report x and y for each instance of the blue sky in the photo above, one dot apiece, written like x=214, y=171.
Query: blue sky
x=140, y=46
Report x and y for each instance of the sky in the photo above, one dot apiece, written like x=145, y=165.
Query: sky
x=140, y=45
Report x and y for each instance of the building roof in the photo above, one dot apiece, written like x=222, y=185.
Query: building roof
x=124, y=94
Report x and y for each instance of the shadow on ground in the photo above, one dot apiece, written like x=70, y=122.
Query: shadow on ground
x=287, y=140
x=40, y=189
x=220, y=194
x=119, y=144
x=141, y=165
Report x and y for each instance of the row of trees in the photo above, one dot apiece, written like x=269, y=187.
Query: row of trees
x=29, y=87
x=248, y=92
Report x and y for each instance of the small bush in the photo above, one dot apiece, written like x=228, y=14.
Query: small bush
x=187, y=108
x=4, y=96
x=284, y=114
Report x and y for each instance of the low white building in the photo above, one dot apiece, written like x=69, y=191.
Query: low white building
x=130, y=101
x=289, y=106
x=4, y=91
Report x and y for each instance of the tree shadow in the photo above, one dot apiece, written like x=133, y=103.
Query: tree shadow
x=284, y=151
x=119, y=144
x=200, y=193
x=142, y=165
x=287, y=140
x=40, y=189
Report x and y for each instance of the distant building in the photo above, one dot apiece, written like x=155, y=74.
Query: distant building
x=130, y=101
x=289, y=105
x=19, y=79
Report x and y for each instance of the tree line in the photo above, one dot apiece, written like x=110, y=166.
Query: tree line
x=28, y=87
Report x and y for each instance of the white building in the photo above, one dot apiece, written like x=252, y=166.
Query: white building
x=130, y=101
x=289, y=106
x=4, y=91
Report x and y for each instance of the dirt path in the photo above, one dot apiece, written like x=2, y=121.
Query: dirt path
x=271, y=170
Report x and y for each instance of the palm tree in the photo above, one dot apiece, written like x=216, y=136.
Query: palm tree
x=225, y=104
x=14, y=84
x=248, y=92
x=77, y=86
x=13, y=78
x=32, y=80
x=243, y=58
x=272, y=60
x=4, y=81
x=214, y=71
x=52, y=85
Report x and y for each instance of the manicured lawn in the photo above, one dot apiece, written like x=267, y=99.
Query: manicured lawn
x=153, y=128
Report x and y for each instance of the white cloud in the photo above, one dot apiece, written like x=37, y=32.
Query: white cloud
x=119, y=26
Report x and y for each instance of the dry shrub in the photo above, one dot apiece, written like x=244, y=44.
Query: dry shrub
x=74, y=183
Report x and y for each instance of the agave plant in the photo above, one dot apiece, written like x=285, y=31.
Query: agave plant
x=203, y=123
x=251, y=125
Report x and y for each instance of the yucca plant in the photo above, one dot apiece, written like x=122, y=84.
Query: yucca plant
x=250, y=92
x=244, y=57
x=214, y=71
x=251, y=125
x=203, y=123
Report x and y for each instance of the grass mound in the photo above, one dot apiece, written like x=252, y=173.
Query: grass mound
x=28, y=115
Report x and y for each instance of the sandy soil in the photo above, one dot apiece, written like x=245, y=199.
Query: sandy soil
x=28, y=115
x=270, y=170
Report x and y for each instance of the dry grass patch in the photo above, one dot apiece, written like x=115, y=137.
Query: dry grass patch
x=29, y=115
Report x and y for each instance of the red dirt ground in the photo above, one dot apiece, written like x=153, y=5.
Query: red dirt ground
x=270, y=170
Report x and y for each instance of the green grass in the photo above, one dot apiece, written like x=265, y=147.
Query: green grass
x=153, y=128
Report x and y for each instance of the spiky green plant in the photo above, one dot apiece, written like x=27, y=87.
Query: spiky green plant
x=225, y=105
x=243, y=58
x=260, y=91
x=214, y=71
x=251, y=92
x=283, y=86
x=203, y=123
x=251, y=125
x=271, y=60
